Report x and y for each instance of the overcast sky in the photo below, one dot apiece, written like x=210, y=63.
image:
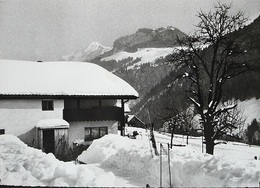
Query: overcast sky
x=48, y=29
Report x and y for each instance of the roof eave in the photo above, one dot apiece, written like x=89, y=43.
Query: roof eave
x=39, y=96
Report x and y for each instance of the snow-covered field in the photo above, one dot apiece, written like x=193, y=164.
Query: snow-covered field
x=147, y=55
x=119, y=161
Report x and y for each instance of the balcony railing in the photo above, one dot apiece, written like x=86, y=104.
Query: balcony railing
x=93, y=114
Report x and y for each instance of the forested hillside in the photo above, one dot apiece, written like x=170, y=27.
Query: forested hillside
x=164, y=95
x=150, y=66
x=153, y=79
x=247, y=85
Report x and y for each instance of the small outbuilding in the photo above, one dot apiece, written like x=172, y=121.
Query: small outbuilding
x=134, y=121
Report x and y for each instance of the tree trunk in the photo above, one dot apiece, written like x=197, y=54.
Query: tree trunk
x=210, y=147
x=172, y=130
x=208, y=134
x=171, y=137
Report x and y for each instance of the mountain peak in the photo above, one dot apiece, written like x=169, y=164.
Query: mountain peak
x=95, y=45
x=94, y=50
x=146, y=38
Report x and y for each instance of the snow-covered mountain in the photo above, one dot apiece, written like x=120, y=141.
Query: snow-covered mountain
x=148, y=38
x=145, y=42
x=140, y=57
x=143, y=52
x=94, y=50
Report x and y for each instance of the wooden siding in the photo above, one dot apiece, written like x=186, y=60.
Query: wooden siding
x=61, y=143
x=93, y=114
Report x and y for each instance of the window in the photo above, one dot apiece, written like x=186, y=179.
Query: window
x=92, y=133
x=47, y=105
x=2, y=131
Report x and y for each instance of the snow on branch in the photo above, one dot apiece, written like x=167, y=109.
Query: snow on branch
x=221, y=142
x=194, y=101
x=225, y=109
x=187, y=75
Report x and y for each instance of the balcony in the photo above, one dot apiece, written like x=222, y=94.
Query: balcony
x=93, y=114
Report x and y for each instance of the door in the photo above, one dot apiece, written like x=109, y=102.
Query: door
x=48, y=140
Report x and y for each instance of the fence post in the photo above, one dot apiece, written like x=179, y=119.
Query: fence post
x=202, y=143
x=160, y=164
x=169, y=163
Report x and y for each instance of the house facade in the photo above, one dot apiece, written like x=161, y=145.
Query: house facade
x=53, y=105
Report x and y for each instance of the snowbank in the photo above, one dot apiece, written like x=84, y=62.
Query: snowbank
x=133, y=158
x=112, y=157
x=22, y=165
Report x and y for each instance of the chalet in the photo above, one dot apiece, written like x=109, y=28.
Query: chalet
x=51, y=105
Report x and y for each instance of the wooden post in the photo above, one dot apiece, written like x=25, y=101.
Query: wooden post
x=202, y=143
x=169, y=163
x=153, y=140
x=40, y=139
x=160, y=164
x=172, y=130
x=122, y=122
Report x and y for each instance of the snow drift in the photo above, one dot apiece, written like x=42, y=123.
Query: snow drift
x=22, y=165
x=112, y=157
x=133, y=158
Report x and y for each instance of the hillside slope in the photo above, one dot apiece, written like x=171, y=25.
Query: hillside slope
x=141, y=58
x=243, y=87
x=147, y=38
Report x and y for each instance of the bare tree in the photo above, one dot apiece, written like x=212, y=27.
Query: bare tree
x=230, y=123
x=175, y=118
x=208, y=59
x=188, y=116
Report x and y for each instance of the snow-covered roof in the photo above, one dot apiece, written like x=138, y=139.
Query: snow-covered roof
x=52, y=124
x=60, y=78
x=130, y=117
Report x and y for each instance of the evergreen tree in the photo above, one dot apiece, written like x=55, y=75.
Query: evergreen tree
x=252, y=132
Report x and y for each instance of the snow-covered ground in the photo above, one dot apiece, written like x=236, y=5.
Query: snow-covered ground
x=119, y=161
x=147, y=55
x=23, y=165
